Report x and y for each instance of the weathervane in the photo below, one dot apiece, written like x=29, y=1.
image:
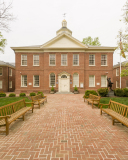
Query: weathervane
x=64, y=15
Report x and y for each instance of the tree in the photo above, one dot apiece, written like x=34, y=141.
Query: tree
x=2, y=43
x=122, y=42
x=5, y=18
x=89, y=41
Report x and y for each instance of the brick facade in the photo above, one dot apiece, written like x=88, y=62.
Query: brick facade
x=117, y=78
x=5, y=78
x=44, y=70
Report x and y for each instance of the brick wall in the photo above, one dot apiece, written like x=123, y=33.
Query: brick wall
x=44, y=70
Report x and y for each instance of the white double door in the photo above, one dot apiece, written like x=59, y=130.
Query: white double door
x=64, y=85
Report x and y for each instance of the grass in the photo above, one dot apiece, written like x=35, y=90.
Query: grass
x=8, y=100
x=122, y=100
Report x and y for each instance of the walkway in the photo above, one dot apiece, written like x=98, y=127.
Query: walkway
x=65, y=128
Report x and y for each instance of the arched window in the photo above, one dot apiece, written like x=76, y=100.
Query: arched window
x=63, y=76
x=76, y=80
x=52, y=80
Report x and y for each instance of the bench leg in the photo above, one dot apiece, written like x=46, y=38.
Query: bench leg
x=112, y=121
x=100, y=111
x=23, y=117
x=7, y=127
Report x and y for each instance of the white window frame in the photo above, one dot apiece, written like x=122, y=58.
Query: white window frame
x=89, y=59
x=21, y=81
x=126, y=83
x=73, y=60
x=2, y=71
x=117, y=71
x=1, y=85
x=106, y=81
x=34, y=59
x=10, y=84
x=94, y=80
x=62, y=60
x=22, y=57
x=75, y=80
x=50, y=80
x=116, y=84
x=10, y=72
x=106, y=59
x=49, y=60
x=34, y=81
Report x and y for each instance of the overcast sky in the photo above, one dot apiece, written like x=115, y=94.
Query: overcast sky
x=38, y=20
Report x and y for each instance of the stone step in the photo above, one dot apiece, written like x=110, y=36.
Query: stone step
x=64, y=93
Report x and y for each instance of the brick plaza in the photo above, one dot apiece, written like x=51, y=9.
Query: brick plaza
x=65, y=128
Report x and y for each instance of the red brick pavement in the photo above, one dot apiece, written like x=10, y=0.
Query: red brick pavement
x=65, y=128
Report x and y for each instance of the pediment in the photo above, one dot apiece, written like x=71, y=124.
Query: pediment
x=64, y=41
x=63, y=73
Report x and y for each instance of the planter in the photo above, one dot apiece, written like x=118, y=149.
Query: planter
x=76, y=92
x=52, y=92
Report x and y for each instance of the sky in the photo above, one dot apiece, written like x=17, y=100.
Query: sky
x=38, y=20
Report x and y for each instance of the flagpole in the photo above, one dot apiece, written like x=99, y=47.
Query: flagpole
x=120, y=70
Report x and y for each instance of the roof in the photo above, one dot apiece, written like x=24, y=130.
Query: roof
x=118, y=65
x=2, y=63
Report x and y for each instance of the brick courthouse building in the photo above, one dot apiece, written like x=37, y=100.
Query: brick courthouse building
x=62, y=62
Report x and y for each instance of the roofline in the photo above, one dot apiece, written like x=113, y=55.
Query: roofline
x=1, y=65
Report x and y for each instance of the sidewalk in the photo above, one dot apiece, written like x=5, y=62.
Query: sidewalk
x=65, y=128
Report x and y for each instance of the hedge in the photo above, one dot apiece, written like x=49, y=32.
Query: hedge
x=103, y=92
x=2, y=94
x=12, y=95
x=22, y=95
x=39, y=92
x=87, y=92
x=32, y=94
x=121, y=92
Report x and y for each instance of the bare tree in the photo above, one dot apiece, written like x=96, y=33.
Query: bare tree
x=5, y=16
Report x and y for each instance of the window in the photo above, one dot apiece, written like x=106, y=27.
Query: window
x=36, y=81
x=127, y=83
x=24, y=60
x=10, y=84
x=24, y=81
x=10, y=72
x=0, y=84
x=117, y=84
x=104, y=81
x=52, y=80
x=52, y=60
x=92, y=81
x=103, y=60
x=35, y=60
x=91, y=60
x=117, y=72
x=63, y=59
x=76, y=80
x=75, y=59
x=1, y=71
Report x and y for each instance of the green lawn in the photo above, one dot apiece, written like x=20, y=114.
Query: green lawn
x=123, y=100
x=8, y=100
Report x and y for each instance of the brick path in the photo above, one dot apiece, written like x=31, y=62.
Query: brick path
x=65, y=128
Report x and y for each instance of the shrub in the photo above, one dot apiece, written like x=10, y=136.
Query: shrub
x=52, y=89
x=12, y=95
x=32, y=94
x=87, y=92
x=75, y=89
x=39, y=92
x=125, y=92
x=103, y=92
x=22, y=94
x=119, y=92
x=2, y=94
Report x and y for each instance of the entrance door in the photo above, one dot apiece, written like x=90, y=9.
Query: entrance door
x=64, y=85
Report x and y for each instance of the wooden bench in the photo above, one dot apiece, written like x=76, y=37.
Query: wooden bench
x=117, y=111
x=37, y=100
x=92, y=99
x=13, y=111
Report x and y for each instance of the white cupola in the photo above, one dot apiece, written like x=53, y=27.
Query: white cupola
x=64, y=29
x=64, y=23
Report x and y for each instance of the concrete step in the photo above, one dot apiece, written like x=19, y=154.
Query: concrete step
x=64, y=93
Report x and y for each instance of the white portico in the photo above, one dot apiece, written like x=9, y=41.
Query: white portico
x=64, y=82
